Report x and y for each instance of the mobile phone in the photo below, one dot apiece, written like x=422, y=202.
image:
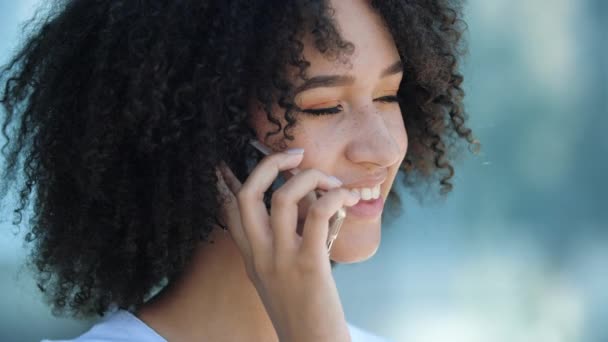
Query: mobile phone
x=336, y=220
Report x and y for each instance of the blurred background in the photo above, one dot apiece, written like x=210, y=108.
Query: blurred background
x=517, y=252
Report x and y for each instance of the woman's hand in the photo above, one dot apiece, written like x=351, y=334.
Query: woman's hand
x=291, y=273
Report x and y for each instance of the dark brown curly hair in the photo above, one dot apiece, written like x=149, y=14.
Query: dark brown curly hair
x=120, y=110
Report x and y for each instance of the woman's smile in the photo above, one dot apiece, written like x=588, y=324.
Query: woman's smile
x=366, y=209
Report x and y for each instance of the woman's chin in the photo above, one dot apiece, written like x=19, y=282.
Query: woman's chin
x=356, y=243
x=351, y=258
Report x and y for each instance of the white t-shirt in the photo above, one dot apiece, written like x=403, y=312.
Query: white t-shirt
x=123, y=326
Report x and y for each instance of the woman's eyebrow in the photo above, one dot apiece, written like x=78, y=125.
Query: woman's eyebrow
x=341, y=80
x=395, y=68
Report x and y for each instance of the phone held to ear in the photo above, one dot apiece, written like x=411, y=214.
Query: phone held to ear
x=335, y=222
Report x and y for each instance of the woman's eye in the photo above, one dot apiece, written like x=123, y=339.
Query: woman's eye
x=389, y=98
x=324, y=111
x=338, y=108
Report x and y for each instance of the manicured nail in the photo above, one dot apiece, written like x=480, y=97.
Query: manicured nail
x=335, y=181
x=295, y=151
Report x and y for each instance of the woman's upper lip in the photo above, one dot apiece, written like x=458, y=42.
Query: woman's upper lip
x=367, y=182
x=364, y=182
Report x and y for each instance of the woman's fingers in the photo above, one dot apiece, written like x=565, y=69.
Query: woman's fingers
x=263, y=238
x=251, y=200
x=285, y=202
x=316, y=227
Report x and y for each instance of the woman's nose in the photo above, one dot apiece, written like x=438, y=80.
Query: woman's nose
x=373, y=139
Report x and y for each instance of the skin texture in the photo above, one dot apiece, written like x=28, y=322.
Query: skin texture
x=369, y=138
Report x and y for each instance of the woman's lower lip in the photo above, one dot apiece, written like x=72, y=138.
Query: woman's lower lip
x=366, y=209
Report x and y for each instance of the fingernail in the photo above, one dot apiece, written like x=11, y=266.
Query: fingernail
x=295, y=151
x=335, y=181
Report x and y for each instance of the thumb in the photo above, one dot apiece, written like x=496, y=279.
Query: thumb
x=228, y=185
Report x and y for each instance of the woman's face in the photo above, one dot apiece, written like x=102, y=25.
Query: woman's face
x=362, y=144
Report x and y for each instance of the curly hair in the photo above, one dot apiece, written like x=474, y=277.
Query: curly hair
x=122, y=109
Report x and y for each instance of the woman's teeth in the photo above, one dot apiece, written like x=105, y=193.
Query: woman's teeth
x=368, y=193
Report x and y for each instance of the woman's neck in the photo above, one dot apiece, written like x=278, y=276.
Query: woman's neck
x=213, y=300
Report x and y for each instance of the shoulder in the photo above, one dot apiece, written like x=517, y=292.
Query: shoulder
x=359, y=335
x=118, y=326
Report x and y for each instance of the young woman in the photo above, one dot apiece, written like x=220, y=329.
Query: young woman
x=134, y=120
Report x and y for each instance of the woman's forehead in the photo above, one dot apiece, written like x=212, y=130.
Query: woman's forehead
x=359, y=24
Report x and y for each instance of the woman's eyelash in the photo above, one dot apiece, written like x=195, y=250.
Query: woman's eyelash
x=388, y=98
x=324, y=111
x=338, y=108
